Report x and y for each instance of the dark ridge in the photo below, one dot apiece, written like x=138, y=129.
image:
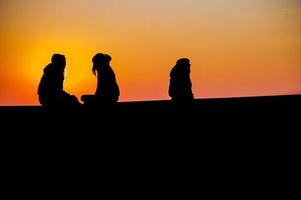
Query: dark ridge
x=237, y=104
x=212, y=131
x=254, y=114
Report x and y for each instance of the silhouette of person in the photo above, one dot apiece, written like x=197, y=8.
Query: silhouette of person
x=180, y=88
x=50, y=91
x=107, y=91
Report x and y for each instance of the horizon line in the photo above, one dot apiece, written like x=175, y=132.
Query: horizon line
x=168, y=100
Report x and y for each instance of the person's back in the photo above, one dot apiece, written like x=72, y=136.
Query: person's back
x=180, y=89
x=107, y=87
x=50, y=86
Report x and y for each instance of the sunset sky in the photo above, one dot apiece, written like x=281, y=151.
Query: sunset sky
x=236, y=47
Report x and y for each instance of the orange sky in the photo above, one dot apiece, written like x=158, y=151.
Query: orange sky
x=236, y=47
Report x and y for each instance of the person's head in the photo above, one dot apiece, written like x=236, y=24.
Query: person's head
x=100, y=60
x=59, y=62
x=58, y=59
x=183, y=65
x=183, y=61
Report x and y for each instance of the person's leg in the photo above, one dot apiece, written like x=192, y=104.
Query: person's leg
x=42, y=100
x=49, y=101
x=88, y=99
x=74, y=101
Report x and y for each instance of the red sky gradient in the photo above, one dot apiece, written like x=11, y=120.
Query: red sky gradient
x=237, y=47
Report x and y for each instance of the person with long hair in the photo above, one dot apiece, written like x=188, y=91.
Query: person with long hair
x=107, y=91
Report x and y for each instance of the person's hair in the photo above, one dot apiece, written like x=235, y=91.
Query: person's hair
x=183, y=61
x=100, y=59
x=58, y=58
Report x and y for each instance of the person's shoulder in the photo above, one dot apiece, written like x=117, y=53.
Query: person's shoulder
x=48, y=69
x=110, y=70
x=173, y=72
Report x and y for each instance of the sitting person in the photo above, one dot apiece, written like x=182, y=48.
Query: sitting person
x=180, y=88
x=107, y=92
x=51, y=93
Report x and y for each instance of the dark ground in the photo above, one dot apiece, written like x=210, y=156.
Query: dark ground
x=242, y=117
x=229, y=145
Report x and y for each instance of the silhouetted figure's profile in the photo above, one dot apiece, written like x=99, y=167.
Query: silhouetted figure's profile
x=51, y=93
x=107, y=92
x=180, y=88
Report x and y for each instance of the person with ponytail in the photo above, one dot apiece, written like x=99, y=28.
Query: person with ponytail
x=107, y=91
